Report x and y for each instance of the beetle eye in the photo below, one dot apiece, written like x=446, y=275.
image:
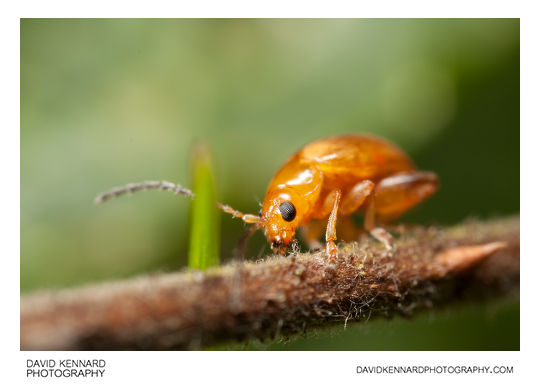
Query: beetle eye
x=288, y=211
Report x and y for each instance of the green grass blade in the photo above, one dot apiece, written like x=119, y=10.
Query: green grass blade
x=204, y=236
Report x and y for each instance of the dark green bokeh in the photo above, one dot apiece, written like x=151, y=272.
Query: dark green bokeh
x=107, y=102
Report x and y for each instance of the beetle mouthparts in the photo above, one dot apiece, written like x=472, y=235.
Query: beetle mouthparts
x=279, y=247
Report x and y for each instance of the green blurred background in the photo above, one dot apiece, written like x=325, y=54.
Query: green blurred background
x=107, y=102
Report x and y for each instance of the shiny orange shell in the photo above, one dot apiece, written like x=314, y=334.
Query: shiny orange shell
x=308, y=176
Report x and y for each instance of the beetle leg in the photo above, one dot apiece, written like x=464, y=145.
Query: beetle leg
x=312, y=231
x=397, y=194
x=354, y=199
x=356, y=196
x=331, y=249
x=377, y=232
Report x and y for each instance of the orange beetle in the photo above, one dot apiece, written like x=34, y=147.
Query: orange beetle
x=335, y=177
x=329, y=178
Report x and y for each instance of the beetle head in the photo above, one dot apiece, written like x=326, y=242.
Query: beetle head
x=279, y=217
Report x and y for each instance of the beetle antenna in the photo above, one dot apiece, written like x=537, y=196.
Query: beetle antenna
x=247, y=218
x=145, y=185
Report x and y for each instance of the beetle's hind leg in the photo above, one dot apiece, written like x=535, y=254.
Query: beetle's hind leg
x=395, y=195
x=377, y=232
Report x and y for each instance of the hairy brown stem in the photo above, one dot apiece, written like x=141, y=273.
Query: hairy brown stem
x=431, y=266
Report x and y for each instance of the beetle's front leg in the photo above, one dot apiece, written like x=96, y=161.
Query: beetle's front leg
x=331, y=249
